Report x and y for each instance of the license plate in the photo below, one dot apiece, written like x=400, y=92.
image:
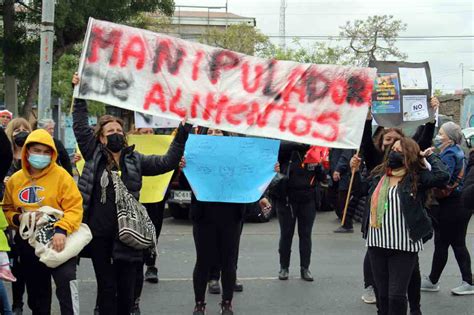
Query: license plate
x=182, y=195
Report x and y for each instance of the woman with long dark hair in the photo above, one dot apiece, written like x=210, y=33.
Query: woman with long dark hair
x=105, y=150
x=398, y=222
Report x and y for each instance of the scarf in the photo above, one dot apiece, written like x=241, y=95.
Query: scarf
x=379, y=200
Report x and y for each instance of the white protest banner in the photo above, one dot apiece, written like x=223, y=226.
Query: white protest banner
x=155, y=74
x=155, y=122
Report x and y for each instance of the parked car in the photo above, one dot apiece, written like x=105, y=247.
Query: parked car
x=179, y=200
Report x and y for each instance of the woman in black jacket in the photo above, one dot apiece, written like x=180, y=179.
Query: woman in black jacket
x=398, y=223
x=115, y=264
x=297, y=205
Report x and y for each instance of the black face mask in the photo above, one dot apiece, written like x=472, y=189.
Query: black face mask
x=20, y=138
x=115, y=142
x=396, y=160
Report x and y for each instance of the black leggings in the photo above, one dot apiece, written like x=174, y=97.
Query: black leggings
x=392, y=271
x=451, y=232
x=215, y=272
x=155, y=212
x=215, y=241
x=414, y=295
x=115, y=279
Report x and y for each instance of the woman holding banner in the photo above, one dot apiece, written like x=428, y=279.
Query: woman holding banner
x=298, y=204
x=398, y=191
x=452, y=217
x=106, y=151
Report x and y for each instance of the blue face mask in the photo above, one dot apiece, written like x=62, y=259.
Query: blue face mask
x=39, y=161
x=438, y=142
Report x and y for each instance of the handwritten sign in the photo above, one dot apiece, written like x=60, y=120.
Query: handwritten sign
x=239, y=171
x=153, y=187
x=155, y=122
x=169, y=77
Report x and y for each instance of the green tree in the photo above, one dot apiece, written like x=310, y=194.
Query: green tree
x=373, y=38
x=241, y=38
x=318, y=53
x=21, y=41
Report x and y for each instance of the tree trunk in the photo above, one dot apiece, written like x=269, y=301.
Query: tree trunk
x=11, y=98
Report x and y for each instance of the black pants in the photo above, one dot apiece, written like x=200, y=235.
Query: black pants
x=392, y=270
x=414, y=296
x=305, y=214
x=115, y=279
x=155, y=212
x=37, y=277
x=368, y=278
x=215, y=272
x=19, y=286
x=451, y=232
x=216, y=241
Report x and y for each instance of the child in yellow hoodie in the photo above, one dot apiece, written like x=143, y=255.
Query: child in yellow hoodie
x=41, y=182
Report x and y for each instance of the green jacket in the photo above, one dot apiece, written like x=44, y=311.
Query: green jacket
x=3, y=239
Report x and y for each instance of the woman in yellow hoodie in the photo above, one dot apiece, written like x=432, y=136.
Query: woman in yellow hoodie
x=41, y=182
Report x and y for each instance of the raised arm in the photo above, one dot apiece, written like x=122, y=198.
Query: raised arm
x=82, y=131
x=152, y=165
x=438, y=176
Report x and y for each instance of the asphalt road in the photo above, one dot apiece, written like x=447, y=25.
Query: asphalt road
x=336, y=267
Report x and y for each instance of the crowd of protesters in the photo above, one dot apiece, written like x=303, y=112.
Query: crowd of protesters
x=410, y=188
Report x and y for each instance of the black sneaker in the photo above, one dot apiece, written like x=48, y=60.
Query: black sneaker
x=342, y=229
x=283, y=274
x=151, y=274
x=200, y=308
x=19, y=311
x=238, y=287
x=226, y=308
x=214, y=287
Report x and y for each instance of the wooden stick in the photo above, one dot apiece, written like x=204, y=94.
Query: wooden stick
x=72, y=105
x=348, y=198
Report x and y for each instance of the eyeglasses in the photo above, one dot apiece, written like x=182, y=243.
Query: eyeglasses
x=5, y=117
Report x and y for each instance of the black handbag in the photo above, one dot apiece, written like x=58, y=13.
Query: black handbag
x=278, y=187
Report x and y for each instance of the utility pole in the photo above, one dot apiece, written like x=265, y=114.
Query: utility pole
x=462, y=76
x=282, y=24
x=46, y=59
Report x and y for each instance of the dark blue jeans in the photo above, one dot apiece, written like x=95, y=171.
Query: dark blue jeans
x=288, y=215
x=5, y=303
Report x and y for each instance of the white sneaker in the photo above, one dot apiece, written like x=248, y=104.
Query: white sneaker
x=428, y=286
x=464, y=289
x=369, y=295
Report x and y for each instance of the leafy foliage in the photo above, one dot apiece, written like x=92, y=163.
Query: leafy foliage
x=241, y=38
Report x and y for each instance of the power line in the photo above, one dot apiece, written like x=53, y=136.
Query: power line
x=400, y=38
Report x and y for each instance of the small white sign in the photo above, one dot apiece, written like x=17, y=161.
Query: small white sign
x=413, y=78
x=149, y=121
x=415, y=107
